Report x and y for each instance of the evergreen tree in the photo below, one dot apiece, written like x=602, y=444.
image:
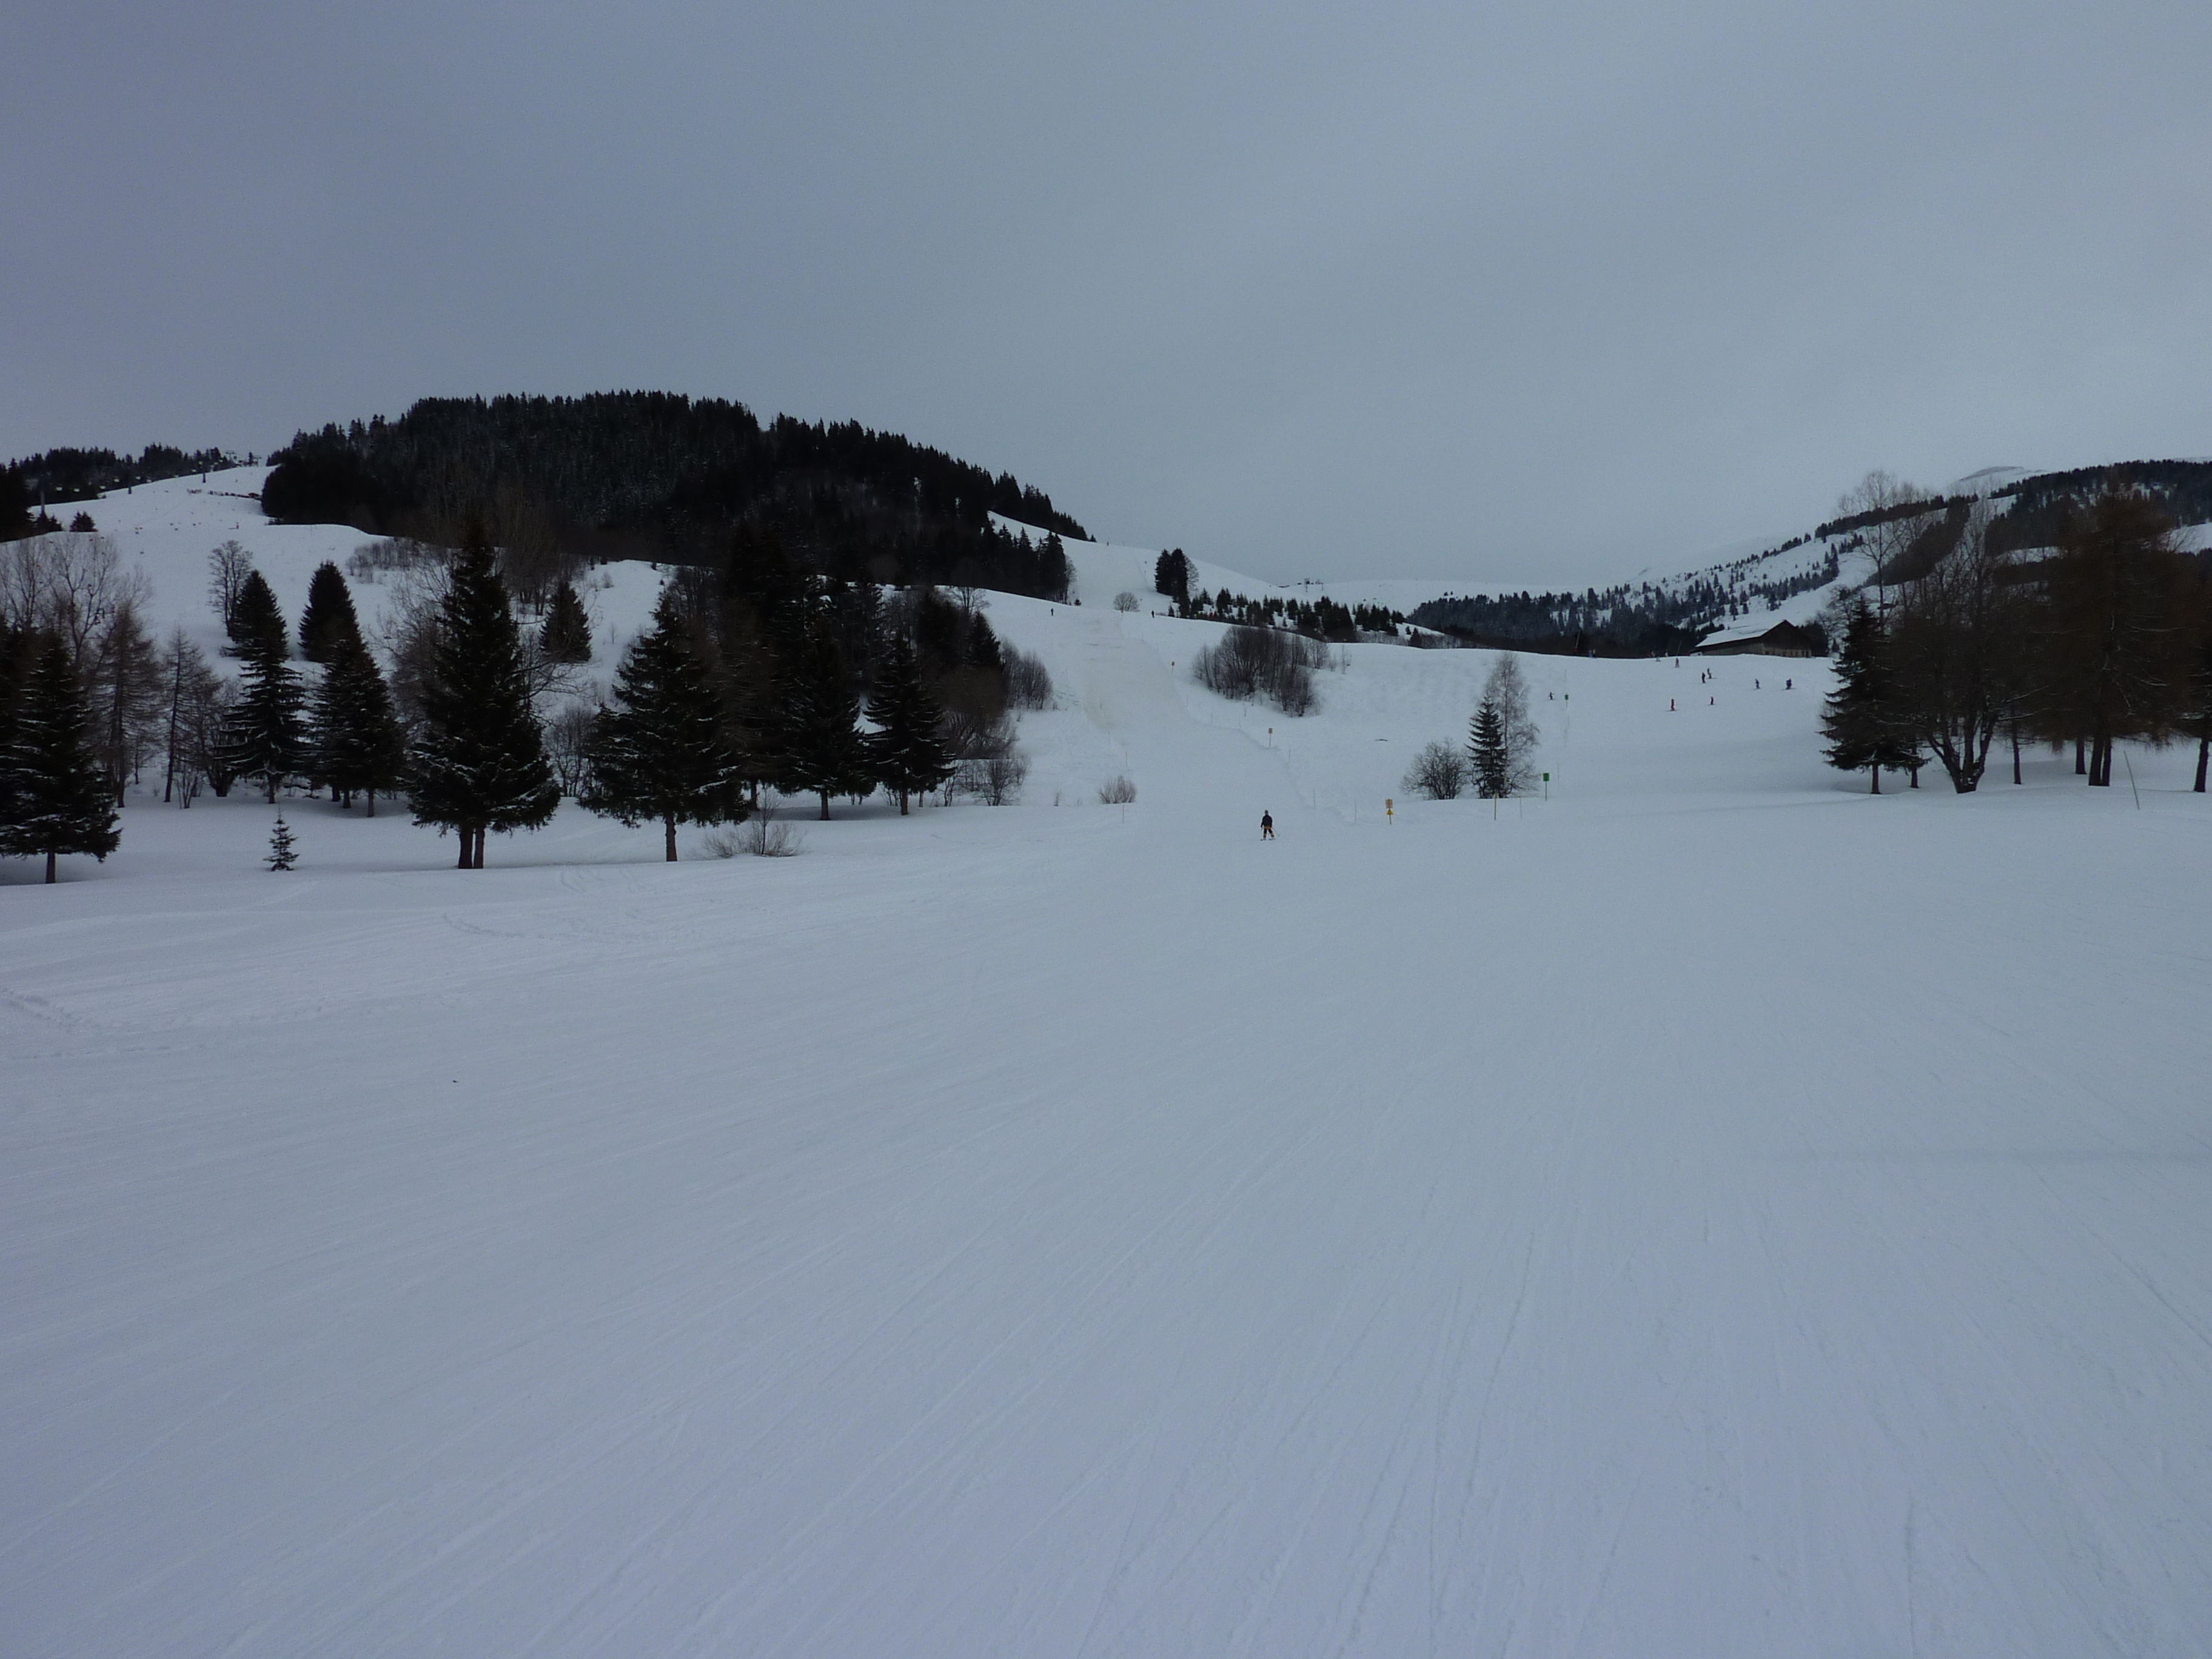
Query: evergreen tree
x=2117, y=640
x=256, y=622
x=910, y=755
x=1171, y=576
x=982, y=647
x=263, y=735
x=328, y=624
x=566, y=635
x=664, y=752
x=358, y=744
x=1488, y=748
x=819, y=747
x=1860, y=718
x=55, y=794
x=479, y=762
x=939, y=636
x=281, y=854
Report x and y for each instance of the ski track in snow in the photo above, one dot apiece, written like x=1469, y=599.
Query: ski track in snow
x=1708, y=1211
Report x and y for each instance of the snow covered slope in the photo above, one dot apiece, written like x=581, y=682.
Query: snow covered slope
x=1708, y=1212
x=167, y=530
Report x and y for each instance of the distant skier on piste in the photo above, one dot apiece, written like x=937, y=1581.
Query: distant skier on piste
x=1267, y=826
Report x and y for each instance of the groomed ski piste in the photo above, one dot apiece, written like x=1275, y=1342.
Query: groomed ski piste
x=1709, y=1211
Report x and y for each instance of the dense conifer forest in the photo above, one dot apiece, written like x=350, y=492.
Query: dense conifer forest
x=657, y=476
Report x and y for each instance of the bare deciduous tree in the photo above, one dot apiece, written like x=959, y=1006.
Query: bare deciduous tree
x=67, y=585
x=195, y=698
x=1958, y=650
x=1507, y=689
x=228, y=567
x=1900, y=511
x=1440, y=771
x=1028, y=683
x=568, y=743
x=124, y=678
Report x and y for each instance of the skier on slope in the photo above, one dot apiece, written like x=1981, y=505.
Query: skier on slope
x=1267, y=826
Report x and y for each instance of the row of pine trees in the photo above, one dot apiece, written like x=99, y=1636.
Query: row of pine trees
x=752, y=677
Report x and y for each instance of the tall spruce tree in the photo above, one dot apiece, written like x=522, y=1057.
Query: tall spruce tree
x=359, y=747
x=479, y=763
x=328, y=624
x=55, y=792
x=907, y=751
x=664, y=750
x=265, y=735
x=1861, y=718
x=565, y=636
x=982, y=650
x=257, y=622
x=1492, y=755
x=819, y=747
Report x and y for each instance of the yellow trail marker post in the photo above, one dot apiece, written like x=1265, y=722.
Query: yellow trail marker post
x=1389, y=809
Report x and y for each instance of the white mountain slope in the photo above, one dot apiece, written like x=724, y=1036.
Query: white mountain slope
x=1708, y=1211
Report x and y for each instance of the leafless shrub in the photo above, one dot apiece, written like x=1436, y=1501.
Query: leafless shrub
x=372, y=560
x=1439, y=771
x=997, y=779
x=1249, y=662
x=1117, y=791
x=970, y=736
x=761, y=837
x=568, y=743
x=1027, y=684
x=1125, y=601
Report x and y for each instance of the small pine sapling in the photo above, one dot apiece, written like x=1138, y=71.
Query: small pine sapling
x=282, y=856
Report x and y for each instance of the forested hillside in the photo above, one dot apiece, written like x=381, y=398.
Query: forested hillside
x=653, y=475
x=1894, y=533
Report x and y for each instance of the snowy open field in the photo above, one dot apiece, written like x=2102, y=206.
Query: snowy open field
x=1708, y=1212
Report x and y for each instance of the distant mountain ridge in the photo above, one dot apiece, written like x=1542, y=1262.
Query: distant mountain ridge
x=1673, y=613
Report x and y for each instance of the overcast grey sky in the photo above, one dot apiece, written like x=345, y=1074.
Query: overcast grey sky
x=1462, y=291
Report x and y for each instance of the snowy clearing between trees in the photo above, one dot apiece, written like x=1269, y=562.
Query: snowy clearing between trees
x=1709, y=1211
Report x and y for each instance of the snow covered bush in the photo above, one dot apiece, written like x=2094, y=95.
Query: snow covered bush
x=1117, y=791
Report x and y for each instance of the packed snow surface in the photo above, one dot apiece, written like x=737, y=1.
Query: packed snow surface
x=1708, y=1212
